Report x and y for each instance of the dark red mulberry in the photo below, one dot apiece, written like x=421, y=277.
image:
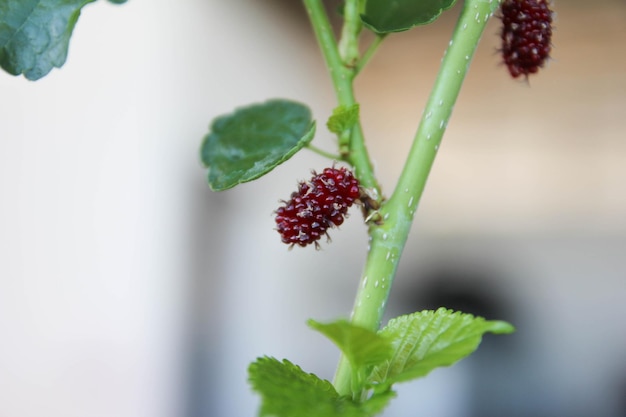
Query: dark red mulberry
x=526, y=35
x=316, y=206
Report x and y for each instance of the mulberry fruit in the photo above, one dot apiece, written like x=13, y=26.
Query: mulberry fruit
x=526, y=35
x=316, y=206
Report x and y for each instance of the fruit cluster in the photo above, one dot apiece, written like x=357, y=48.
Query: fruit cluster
x=526, y=35
x=316, y=206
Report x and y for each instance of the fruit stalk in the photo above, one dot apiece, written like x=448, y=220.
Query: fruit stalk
x=388, y=239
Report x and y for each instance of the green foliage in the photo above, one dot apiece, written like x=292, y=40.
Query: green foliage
x=375, y=404
x=343, y=118
x=253, y=140
x=426, y=340
x=408, y=347
x=287, y=391
x=362, y=347
x=35, y=34
x=385, y=16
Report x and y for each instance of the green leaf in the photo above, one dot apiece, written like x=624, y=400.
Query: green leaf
x=426, y=340
x=377, y=402
x=343, y=118
x=253, y=140
x=386, y=16
x=35, y=34
x=118, y=1
x=287, y=391
x=362, y=347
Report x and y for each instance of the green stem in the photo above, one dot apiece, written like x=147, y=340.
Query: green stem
x=369, y=52
x=323, y=153
x=349, y=44
x=342, y=77
x=387, y=240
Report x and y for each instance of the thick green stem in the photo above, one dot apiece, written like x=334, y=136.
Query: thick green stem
x=456, y=61
x=342, y=77
x=387, y=240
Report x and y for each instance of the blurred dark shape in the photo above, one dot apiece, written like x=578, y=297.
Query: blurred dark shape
x=473, y=290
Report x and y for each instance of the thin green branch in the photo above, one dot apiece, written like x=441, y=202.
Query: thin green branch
x=349, y=44
x=342, y=77
x=369, y=52
x=329, y=155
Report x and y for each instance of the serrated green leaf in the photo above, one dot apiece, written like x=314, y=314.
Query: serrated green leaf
x=426, y=340
x=362, y=347
x=387, y=16
x=377, y=402
x=253, y=140
x=35, y=34
x=343, y=118
x=287, y=391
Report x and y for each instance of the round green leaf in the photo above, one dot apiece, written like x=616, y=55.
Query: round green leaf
x=252, y=141
x=386, y=16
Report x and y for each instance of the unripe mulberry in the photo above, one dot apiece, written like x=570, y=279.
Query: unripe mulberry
x=316, y=206
x=526, y=35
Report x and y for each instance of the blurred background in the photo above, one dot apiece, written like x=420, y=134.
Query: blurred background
x=129, y=289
